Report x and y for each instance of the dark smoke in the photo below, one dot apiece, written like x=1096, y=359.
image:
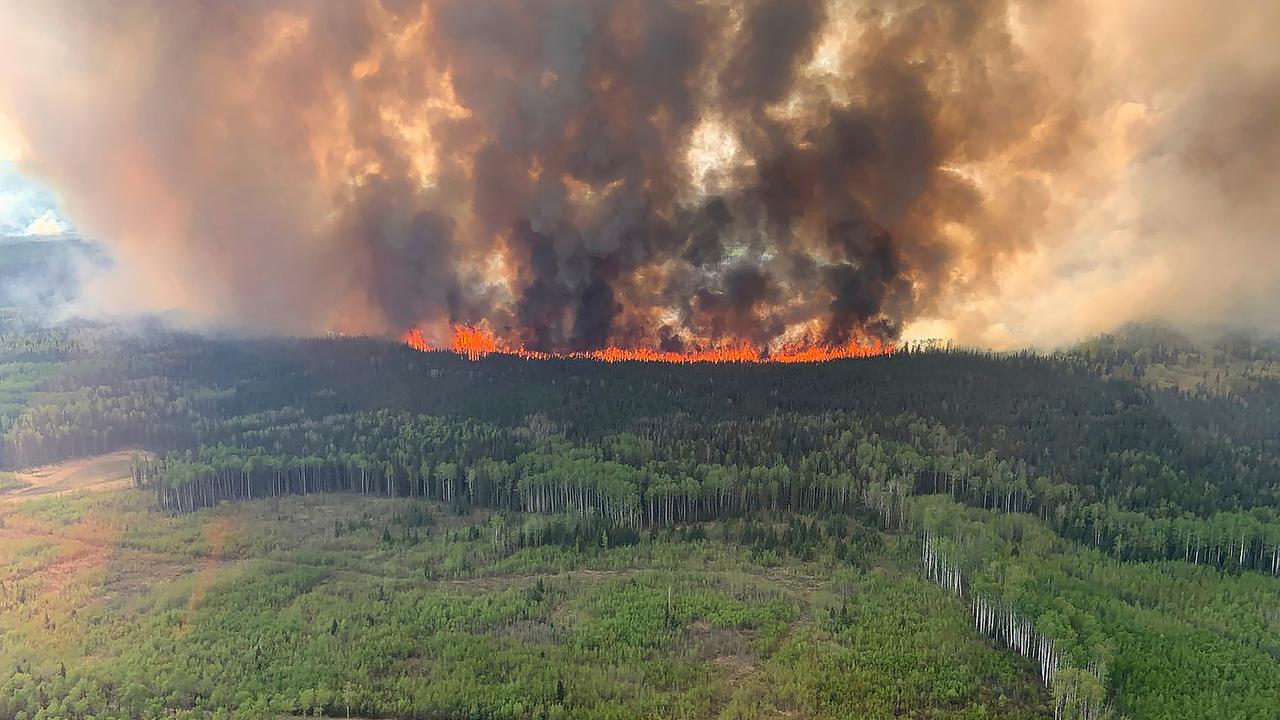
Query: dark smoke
x=526, y=164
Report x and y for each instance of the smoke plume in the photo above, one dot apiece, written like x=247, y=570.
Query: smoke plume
x=671, y=174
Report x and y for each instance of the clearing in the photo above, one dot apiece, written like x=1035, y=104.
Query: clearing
x=100, y=472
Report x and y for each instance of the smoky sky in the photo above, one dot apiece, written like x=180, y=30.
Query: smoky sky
x=663, y=173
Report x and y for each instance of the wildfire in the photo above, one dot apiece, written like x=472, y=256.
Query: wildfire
x=475, y=342
x=414, y=339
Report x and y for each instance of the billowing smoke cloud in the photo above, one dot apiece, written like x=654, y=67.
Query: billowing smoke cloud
x=659, y=173
x=1167, y=205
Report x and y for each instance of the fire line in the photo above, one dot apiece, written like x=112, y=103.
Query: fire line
x=475, y=342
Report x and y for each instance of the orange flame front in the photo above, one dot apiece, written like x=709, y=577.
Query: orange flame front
x=414, y=339
x=475, y=342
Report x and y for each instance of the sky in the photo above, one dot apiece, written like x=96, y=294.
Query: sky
x=27, y=209
x=571, y=174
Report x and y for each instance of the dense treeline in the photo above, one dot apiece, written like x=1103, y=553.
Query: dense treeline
x=1117, y=441
x=1079, y=692
x=1166, y=639
x=673, y=472
x=644, y=444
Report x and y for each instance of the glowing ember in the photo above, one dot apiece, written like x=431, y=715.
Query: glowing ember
x=475, y=342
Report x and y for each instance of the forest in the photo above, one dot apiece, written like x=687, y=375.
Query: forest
x=1085, y=534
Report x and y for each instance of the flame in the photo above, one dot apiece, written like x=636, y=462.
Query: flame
x=414, y=339
x=822, y=353
x=475, y=342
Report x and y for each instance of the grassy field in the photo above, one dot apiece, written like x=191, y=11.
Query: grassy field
x=10, y=483
x=103, y=472
x=348, y=605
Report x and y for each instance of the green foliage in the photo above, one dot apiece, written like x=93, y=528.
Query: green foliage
x=929, y=665
x=280, y=617
x=416, y=534
x=10, y=482
x=1157, y=631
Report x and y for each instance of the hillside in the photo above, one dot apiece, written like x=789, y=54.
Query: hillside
x=1165, y=359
